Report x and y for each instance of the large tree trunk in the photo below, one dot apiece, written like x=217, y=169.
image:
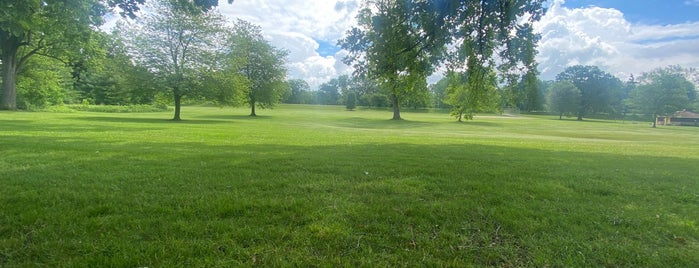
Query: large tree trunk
x=396, y=108
x=252, y=109
x=9, y=80
x=178, y=105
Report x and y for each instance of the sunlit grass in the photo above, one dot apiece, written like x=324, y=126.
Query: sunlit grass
x=321, y=186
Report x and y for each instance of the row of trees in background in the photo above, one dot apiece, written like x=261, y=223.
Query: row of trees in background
x=182, y=51
x=578, y=91
x=581, y=91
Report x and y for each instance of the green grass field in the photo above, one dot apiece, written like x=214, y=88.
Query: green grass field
x=321, y=186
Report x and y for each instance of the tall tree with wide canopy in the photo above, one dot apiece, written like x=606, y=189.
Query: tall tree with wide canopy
x=468, y=95
x=662, y=92
x=177, y=42
x=300, y=92
x=53, y=28
x=261, y=64
x=493, y=35
x=399, y=42
x=49, y=28
x=563, y=98
x=599, y=91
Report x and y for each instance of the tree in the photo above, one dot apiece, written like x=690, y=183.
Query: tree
x=44, y=81
x=300, y=92
x=563, y=98
x=599, y=91
x=351, y=100
x=55, y=28
x=438, y=92
x=262, y=65
x=109, y=76
x=328, y=93
x=528, y=96
x=396, y=43
x=493, y=35
x=468, y=95
x=661, y=92
x=48, y=28
x=177, y=45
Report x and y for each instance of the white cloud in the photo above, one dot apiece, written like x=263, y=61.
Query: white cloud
x=590, y=36
x=603, y=37
x=298, y=26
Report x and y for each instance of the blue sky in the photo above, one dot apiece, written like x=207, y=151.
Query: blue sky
x=647, y=11
x=327, y=48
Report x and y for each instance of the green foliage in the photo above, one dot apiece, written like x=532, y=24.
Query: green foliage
x=418, y=97
x=260, y=64
x=55, y=29
x=468, y=95
x=492, y=35
x=179, y=45
x=661, y=92
x=529, y=94
x=43, y=82
x=377, y=100
x=351, y=101
x=328, y=93
x=90, y=189
x=300, y=92
x=563, y=98
x=109, y=76
x=396, y=43
x=600, y=92
x=439, y=93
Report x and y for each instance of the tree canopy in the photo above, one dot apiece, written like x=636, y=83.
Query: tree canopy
x=397, y=43
x=400, y=42
x=563, y=98
x=662, y=92
x=261, y=64
x=599, y=91
x=178, y=46
x=58, y=29
x=49, y=28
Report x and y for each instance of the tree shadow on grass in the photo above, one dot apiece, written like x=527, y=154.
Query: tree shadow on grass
x=234, y=117
x=115, y=119
x=372, y=123
x=31, y=126
x=478, y=123
x=588, y=120
x=384, y=195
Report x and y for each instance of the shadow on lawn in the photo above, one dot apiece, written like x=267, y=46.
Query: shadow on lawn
x=33, y=126
x=478, y=123
x=373, y=123
x=588, y=120
x=388, y=195
x=235, y=117
x=138, y=120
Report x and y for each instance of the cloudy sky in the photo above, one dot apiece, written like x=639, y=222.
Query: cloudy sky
x=622, y=37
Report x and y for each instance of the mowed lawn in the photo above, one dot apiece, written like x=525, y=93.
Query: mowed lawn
x=321, y=186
